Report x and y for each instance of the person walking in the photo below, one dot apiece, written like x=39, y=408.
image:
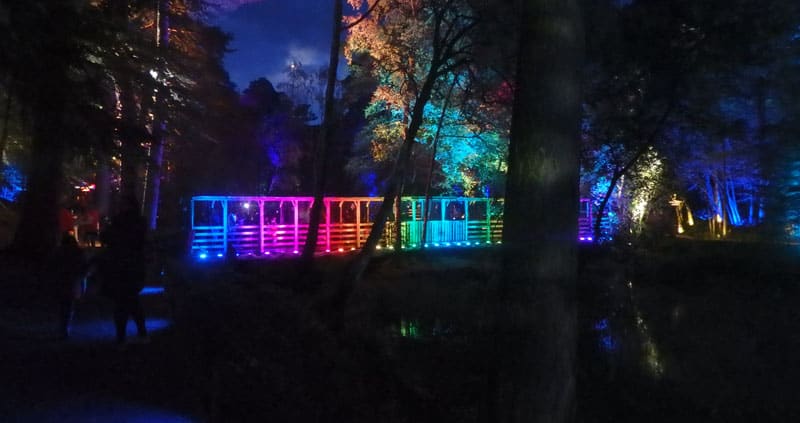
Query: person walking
x=67, y=268
x=122, y=268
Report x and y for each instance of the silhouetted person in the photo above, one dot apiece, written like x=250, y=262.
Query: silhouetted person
x=89, y=226
x=66, y=221
x=122, y=267
x=67, y=268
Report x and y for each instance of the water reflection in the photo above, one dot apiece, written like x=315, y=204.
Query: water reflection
x=99, y=409
x=622, y=332
x=606, y=340
x=650, y=352
x=102, y=328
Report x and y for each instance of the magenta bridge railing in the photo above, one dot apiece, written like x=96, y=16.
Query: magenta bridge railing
x=268, y=226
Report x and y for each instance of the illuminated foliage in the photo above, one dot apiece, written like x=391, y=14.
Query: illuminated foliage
x=71, y=65
x=399, y=36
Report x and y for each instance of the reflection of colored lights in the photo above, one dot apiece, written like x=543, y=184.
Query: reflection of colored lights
x=85, y=188
x=608, y=342
x=152, y=290
x=602, y=324
x=203, y=256
x=327, y=251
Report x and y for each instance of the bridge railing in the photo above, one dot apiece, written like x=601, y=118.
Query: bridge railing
x=266, y=225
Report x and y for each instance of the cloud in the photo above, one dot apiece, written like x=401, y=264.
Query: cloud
x=268, y=35
x=229, y=5
x=307, y=55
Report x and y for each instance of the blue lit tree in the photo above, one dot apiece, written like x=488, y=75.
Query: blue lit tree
x=647, y=77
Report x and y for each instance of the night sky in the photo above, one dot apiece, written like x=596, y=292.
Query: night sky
x=268, y=34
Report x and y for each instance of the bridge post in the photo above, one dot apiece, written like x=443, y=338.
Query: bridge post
x=225, y=226
x=358, y=223
x=466, y=219
x=260, y=226
x=327, y=225
x=488, y=221
x=444, y=226
x=295, y=205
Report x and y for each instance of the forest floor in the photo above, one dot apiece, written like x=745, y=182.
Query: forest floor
x=686, y=331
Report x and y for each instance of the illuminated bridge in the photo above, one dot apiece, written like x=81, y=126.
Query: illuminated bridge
x=268, y=226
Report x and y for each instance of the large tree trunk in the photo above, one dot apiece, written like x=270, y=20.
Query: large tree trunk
x=37, y=231
x=46, y=88
x=536, y=314
x=327, y=133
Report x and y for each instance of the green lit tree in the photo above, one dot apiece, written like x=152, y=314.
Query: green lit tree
x=414, y=45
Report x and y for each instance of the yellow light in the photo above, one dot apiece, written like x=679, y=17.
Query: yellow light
x=719, y=219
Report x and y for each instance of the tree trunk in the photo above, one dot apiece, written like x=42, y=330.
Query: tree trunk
x=398, y=203
x=426, y=207
x=131, y=151
x=4, y=134
x=598, y=218
x=128, y=127
x=159, y=133
x=536, y=311
x=335, y=304
x=327, y=133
